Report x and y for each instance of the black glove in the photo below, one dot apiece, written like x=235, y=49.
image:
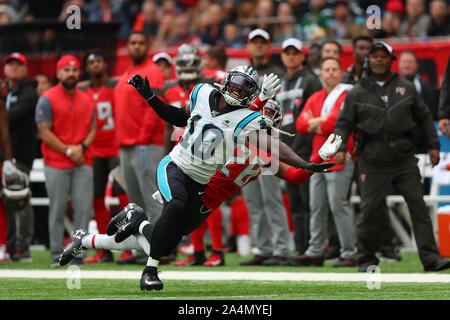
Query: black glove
x=317, y=167
x=142, y=86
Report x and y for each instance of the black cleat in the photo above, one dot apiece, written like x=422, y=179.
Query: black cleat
x=439, y=265
x=151, y=281
x=119, y=219
x=74, y=249
x=135, y=216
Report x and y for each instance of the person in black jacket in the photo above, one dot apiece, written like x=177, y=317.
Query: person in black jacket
x=21, y=102
x=383, y=108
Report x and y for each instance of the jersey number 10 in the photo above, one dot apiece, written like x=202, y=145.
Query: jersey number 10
x=202, y=141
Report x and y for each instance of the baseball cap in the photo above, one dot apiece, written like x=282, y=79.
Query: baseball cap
x=384, y=46
x=95, y=55
x=162, y=55
x=292, y=42
x=258, y=33
x=68, y=60
x=16, y=56
x=395, y=6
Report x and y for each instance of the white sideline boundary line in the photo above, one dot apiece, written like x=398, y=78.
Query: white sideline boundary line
x=224, y=276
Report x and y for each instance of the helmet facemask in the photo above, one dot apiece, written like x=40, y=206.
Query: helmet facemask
x=188, y=64
x=16, y=190
x=239, y=89
x=272, y=111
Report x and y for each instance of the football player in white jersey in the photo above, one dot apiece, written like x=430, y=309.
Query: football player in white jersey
x=217, y=120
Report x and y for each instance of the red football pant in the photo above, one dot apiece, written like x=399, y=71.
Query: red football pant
x=102, y=215
x=240, y=223
x=214, y=223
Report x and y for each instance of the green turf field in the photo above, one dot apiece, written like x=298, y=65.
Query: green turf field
x=56, y=289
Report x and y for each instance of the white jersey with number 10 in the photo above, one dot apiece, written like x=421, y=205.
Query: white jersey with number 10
x=211, y=135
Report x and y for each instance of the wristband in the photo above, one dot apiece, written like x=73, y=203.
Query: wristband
x=84, y=147
x=68, y=151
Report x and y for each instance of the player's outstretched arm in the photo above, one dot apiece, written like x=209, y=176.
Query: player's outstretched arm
x=285, y=153
x=298, y=176
x=167, y=112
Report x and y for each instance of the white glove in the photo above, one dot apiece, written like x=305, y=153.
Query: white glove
x=8, y=167
x=269, y=87
x=330, y=147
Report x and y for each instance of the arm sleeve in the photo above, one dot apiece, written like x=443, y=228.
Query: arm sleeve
x=257, y=104
x=44, y=111
x=169, y=113
x=444, y=98
x=298, y=176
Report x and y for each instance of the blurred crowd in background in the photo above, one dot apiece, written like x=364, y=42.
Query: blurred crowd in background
x=227, y=22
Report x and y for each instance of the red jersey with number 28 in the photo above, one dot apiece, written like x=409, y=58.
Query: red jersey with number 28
x=245, y=167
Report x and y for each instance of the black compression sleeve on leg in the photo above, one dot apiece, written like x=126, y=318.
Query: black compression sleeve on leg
x=169, y=113
x=168, y=230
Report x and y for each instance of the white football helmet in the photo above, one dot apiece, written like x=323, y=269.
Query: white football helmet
x=188, y=64
x=240, y=86
x=16, y=189
x=272, y=110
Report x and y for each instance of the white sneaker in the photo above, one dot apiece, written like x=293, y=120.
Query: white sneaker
x=4, y=256
x=243, y=246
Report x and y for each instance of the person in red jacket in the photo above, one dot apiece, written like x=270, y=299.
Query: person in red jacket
x=330, y=190
x=139, y=130
x=104, y=149
x=65, y=118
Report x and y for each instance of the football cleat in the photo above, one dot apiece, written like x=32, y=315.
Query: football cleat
x=216, y=259
x=119, y=219
x=74, y=249
x=101, y=256
x=150, y=281
x=135, y=216
x=192, y=260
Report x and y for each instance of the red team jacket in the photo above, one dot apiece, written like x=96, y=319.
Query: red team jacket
x=136, y=123
x=72, y=116
x=315, y=104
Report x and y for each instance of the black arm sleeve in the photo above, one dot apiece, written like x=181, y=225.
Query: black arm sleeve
x=169, y=113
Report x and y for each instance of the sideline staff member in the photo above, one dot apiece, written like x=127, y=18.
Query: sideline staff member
x=65, y=119
x=384, y=108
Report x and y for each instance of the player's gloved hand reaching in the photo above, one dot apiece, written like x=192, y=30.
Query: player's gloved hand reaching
x=329, y=148
x=270, y=86
x=142, y=86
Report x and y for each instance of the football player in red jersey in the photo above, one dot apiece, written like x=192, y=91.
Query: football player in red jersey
x=104, y=148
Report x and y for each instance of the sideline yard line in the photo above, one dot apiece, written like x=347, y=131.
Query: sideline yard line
x=224, y=276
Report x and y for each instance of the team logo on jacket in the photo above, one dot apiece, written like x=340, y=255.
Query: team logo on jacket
x=363, y=177
x=400, y=90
